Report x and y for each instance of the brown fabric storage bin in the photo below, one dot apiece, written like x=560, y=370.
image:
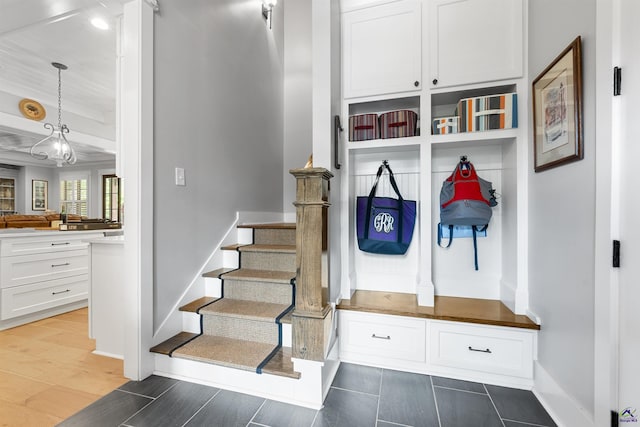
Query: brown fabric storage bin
x=398, y=124
x=363, y=127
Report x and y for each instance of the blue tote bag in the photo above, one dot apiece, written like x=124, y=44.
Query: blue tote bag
x=384, y=224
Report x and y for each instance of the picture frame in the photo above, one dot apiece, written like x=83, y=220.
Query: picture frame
x=557, y=110
x=39, y=195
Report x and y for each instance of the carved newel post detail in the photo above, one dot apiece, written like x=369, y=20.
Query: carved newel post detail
x=311, y=319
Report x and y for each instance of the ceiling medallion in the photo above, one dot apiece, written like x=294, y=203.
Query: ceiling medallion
x=32, y=110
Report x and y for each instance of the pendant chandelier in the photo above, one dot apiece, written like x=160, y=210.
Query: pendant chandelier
x=55, y=146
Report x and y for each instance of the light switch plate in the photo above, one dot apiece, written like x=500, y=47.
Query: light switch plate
x=180, y=177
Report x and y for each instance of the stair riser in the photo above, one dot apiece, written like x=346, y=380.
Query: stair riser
x=278, y=293
x=237, y=328
x=191, y=323
x=268, y=261
x=275, y=237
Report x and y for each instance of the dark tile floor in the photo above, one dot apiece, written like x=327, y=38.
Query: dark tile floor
x=359, y=396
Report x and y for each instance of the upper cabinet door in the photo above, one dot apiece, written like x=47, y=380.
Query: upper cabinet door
x=474, y=41
x=382, y=49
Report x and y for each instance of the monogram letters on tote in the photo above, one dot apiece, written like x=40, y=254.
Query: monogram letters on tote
x=383, y=222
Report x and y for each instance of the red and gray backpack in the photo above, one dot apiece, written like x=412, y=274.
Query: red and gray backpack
x=465, y=200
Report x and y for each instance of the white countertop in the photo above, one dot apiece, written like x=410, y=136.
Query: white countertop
x=31, y=232
x=109, y=240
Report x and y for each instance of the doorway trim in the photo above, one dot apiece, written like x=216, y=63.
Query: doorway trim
x=136, y=165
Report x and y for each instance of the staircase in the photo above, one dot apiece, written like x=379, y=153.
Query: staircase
x=243, y=327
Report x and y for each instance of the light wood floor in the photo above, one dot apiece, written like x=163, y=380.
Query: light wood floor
x=48, y=371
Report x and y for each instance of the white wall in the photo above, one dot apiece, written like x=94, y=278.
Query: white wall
x=562, y=214
x=297, y=94
x=218, y=91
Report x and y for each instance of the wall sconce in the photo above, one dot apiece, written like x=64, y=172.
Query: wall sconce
x=267, y=9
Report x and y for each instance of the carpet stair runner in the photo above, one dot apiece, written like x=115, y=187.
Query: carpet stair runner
x=243, y=328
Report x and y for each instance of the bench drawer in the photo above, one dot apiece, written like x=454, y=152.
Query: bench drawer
x=382, y=336
x=491, y=349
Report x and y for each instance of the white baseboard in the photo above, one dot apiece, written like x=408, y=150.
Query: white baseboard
x=562, y=408
x=306, y=391
x=104, y=353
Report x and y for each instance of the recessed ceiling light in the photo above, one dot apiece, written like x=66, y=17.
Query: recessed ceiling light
x=100, y=23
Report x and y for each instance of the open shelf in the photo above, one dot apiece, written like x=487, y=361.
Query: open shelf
x=391, y=144
x=489, y=137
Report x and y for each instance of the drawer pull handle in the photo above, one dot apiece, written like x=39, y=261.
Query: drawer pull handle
x=60, y=265
x=60, y=244
x=388, y=337
x=480, y=351
x=61, y=292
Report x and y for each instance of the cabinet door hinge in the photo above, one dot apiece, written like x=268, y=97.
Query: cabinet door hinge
x=616, y=253
x=617, y=80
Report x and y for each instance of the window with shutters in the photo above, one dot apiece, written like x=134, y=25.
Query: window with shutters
x=74, y=196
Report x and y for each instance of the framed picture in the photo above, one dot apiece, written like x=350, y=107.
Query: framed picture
x=557, y=110
x=39, y=195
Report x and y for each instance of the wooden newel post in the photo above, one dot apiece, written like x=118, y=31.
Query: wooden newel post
x=311, y=319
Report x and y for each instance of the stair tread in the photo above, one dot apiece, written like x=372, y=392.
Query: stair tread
x=234, y=247
x=166, y=347
x=234, y=353
x=260, y=275
x=195, y=305
x=269, y=248
x=273, y=225
x=252, y=310
x=218, y=272
x=281, y=364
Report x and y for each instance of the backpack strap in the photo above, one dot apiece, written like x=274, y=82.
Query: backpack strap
x=475, y=245
x=440, y=235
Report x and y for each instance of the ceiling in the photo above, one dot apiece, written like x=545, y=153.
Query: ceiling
x=35, y=33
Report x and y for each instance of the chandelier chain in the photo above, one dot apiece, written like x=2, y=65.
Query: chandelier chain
x=59, y=98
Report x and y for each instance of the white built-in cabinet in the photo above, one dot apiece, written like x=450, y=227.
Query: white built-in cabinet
x=391, y=31
x=467, y=48
x=42, y=274
x=474, y=41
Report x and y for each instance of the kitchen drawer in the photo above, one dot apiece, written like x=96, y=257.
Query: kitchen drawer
x=382, y=337
x=63, y=241
x=491, y=349
x=21, y=300
x=28, y=269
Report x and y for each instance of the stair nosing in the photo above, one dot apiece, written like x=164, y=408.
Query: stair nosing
x=270, y=226
x=218, y=272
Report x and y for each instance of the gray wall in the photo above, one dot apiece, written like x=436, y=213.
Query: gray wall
x=562, y=214
x=297, y=94
x=219, y=115
x=23, y=185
